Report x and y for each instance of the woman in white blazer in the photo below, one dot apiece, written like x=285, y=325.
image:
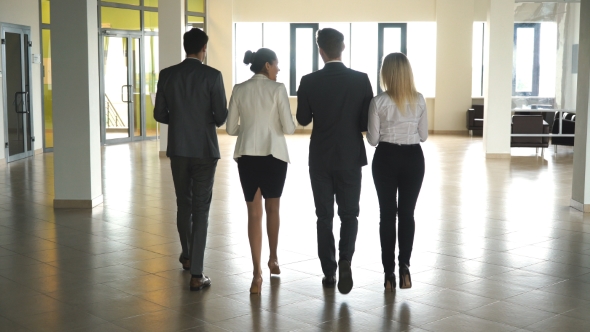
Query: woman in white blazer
x=259, y=114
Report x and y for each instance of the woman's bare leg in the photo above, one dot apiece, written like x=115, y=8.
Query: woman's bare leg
x=273, y=223
x=255, y=231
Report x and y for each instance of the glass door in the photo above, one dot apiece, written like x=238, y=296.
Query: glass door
x=121, y=114
x=16, y=60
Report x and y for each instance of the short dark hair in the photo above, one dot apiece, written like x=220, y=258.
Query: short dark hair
x=331, y=41
x=194, y=40
x=259, y=58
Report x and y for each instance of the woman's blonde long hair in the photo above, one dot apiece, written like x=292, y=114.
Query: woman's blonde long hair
x=397, y=80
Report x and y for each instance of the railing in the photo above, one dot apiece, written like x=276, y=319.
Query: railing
x=559, y=134
x=113, y=118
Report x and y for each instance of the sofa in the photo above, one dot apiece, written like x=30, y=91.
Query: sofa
x=568, y=122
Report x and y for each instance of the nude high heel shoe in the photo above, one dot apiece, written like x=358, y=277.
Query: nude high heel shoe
x=256, y=286
x=274, y=267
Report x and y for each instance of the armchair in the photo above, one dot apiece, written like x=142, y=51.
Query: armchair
x=474, y=117
x=529, y=124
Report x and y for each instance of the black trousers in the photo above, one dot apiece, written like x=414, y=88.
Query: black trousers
x=193, y=183
x=346, y=186
x=397, y=170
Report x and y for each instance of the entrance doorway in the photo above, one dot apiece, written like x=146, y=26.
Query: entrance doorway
x=122, y=116
x=16, y=81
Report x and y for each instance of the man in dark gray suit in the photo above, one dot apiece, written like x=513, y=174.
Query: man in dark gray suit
x=191, y=101
x=337, y=99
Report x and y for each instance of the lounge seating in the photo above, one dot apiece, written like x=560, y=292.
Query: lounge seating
x=568, y=127
x=529, y=124
x=474, y=119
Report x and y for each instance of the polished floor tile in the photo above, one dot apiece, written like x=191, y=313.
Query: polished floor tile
x=497, y=248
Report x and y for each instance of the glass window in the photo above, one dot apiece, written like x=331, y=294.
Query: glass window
x=364, y=50
x=125, y=2
x=117, y=18
x=195, y=22
x=304, y=54
x=150, y=3
x=548, y=59
x=196, y=6
x=248, y=38
x=47, y=89
x=151, y=82
x=150, y=21
x=526, y=59
x=276, y=38
x=45, y=13
x=421, y=41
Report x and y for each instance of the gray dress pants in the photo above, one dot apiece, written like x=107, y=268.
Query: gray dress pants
x=193, y=183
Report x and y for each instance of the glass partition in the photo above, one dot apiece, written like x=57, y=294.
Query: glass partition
x=197, y=6
x=152, y=71
x=45, y=13
x=121, y=19
x=150, y=21
x=47, y=89
x=125, y=2
x=150, y=3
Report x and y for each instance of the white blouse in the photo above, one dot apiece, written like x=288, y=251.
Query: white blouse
x=388, y=124
x=260, y=115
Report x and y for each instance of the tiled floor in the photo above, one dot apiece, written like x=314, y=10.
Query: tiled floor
x=497, y=249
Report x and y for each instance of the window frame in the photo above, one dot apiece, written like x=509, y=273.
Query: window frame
x=404, y=45
x=536, y=59
x=293, y=53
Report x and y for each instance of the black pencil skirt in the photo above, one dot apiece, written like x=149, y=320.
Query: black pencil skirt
x=265, y=172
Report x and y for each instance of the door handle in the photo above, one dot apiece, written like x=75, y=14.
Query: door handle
x=24, y=104
x=123, y=94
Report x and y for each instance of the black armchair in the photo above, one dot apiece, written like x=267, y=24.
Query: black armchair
x=474, y=119
x=529, y=124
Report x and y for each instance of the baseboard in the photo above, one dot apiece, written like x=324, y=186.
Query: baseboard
x=448, y=132
x=580, y=206
x=77, y=203
x=162, y=154
x=38, y=151
x=498, y=156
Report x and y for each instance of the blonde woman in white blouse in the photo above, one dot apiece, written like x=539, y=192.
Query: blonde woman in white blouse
x=398, y=122
x=259, y=114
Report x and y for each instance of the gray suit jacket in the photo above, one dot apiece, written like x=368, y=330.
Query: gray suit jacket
x=191, y=101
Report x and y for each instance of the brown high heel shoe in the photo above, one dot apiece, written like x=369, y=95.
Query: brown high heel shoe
x=256, y=287
x=274, y=267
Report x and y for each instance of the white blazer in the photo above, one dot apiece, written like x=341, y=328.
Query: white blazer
x=259, y=114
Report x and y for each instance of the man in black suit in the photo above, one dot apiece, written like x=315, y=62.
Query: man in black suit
x=191, y=101
x=337, y=99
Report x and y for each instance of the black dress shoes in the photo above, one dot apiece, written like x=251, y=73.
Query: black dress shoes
x=329, y=282
x=344, y=276
x=197, y=283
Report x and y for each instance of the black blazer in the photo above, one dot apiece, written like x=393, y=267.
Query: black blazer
x=337, y=99
x=191, y=101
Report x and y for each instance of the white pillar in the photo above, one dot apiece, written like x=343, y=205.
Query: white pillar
x=581, y=178
x=454, y=39
x=76, y=116
x=498, y=78
x=220, y=49
x=171, y=28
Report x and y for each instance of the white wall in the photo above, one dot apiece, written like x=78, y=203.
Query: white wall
x=220, y=30
x=26, y=12
x=333, y=10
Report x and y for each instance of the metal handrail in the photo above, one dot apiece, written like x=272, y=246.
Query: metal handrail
x=110, y=111
x=559, y=134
